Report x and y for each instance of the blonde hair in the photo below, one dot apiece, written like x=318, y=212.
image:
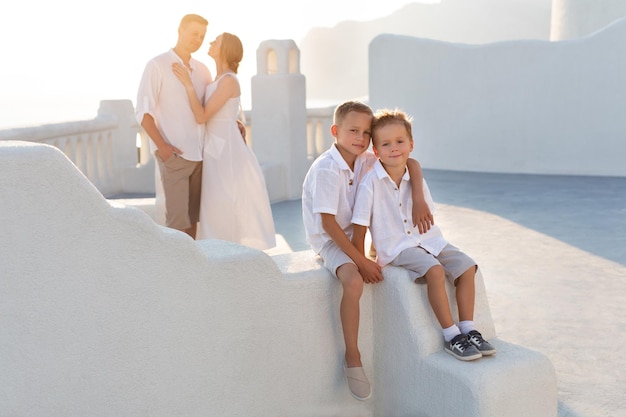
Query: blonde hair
x=189, y=18
x=386, y=117
x=351, y=105
x=231, y=51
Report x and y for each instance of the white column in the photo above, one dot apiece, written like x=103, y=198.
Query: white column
x=279, y=118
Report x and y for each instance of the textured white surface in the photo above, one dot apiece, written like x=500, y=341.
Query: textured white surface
x=414, y=377
x=104, y=313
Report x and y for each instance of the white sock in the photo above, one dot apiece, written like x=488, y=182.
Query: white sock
x=451, y=332
x=466, y=326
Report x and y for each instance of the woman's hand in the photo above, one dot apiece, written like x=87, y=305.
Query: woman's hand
x=182, y=74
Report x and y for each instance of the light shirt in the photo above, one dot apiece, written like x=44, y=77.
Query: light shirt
x=386, y=209
x=330, y=187
x=162, y=95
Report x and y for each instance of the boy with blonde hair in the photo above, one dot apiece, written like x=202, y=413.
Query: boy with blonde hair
x=383, y=204
x=328, y=195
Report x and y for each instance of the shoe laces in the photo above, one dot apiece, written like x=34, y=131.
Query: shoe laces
x=476, y=337
x=461, y=342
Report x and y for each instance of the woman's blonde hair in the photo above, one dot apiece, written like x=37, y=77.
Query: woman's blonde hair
x=231, y=51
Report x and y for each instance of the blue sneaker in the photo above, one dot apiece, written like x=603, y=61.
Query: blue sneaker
x=481, y=344
x=461, y=348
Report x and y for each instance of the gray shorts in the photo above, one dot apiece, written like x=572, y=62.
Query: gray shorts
x=418, y=261
x=334, y=257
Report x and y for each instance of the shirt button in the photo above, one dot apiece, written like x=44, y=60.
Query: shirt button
x=400, y=204
x=405, y=220
x=408, y=232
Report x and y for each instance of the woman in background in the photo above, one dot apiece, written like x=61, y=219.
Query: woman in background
x=234, y=202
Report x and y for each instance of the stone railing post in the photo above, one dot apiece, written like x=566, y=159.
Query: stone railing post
x=130, y=176
x=280, y=119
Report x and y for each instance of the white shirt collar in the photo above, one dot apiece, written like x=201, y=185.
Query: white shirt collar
x=381, y=173
x=192, y=61
x=334, y=152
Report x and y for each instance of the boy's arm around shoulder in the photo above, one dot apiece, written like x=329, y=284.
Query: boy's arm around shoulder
x=370, y=270
x=421, y=215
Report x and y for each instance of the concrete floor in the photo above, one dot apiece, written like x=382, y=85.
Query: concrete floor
x=553, y=254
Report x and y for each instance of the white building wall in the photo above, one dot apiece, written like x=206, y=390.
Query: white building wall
x=518, y=107
x=577, y=18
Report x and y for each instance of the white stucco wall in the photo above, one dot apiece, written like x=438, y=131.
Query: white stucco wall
x=577, y=18
x=105, y=313
x=519, y=106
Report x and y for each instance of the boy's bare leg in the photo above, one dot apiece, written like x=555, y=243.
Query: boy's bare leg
x=437, y=296
x=465, y=294
x=349, y=310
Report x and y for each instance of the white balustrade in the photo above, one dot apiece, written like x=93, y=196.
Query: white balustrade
x=88, y=144
x=318, y=136
x=113, y=151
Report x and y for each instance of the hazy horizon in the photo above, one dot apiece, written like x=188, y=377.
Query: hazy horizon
x=62, y=64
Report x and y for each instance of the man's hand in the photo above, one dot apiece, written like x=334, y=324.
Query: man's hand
x=242, y=129
x=422, y=217
x=370, y=271
x=166, y=151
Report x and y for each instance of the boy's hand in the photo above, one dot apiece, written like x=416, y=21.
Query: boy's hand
x=370, y=271
x=422, y=217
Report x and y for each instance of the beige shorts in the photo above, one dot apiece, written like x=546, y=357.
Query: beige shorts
x=334, y=257
x=418, y=261
x=182, y=182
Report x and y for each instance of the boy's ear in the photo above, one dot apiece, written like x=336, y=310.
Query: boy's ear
x=333, y=130
x=374, y=149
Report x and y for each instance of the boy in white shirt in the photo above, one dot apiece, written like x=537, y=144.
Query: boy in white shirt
x=383, y=204
x=328, y=196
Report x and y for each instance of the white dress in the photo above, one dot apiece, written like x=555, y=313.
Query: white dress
x=234, y=204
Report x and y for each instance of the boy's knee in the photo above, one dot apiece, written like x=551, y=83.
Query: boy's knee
x=354, y=285
x=351, y=279
x=436, y=274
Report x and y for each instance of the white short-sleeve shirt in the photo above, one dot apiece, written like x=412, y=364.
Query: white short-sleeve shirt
x=162, y=95
x=386, y=209
x=330, y=187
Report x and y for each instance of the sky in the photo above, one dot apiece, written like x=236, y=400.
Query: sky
x=60, y=58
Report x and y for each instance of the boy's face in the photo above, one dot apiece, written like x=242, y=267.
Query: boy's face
x=353, y=133
x=393, y=145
